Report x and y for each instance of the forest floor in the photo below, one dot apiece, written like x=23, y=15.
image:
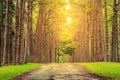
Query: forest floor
x=62, y=71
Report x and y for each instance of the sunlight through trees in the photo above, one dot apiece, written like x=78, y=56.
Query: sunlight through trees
x=59, y=31
x=68, y=19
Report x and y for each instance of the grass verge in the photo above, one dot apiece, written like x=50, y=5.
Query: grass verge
x=105, y=69
x=9, y=72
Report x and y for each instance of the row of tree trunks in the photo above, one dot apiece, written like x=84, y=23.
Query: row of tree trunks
x=45, y=42
x=91, y=37
x=18, y=41
x=98, y=33
x=14, y=44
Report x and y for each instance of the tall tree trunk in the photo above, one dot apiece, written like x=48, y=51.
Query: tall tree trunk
x=114, y=56
x=21, y=36
x=1, y=32
x=16, y=34
x=107, y=36
x=30, y=29
x=8, y=34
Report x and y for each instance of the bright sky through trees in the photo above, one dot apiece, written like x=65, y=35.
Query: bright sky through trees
x=68, y=7
x=68, y=19
x=67, y=28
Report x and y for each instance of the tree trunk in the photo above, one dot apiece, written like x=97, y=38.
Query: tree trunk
x=1, y=32
x=107, y=36
x=8, y=34
x=114, y=56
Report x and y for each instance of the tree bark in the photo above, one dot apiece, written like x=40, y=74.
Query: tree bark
x=114, y=56
x=107, y=36
x=1, y=32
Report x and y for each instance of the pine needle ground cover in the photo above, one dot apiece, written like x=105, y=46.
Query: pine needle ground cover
x=9, y=72
x=105, y=69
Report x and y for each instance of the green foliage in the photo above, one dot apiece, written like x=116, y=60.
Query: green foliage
x=106, y=69
x=70, y=47
x=67, y=47
x=9, y=72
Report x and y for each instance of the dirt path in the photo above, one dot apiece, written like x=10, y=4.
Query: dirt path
x=63, y=71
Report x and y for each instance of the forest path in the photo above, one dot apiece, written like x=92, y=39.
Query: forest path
x=62, y=71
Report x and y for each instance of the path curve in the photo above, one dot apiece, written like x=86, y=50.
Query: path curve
x=64, y=71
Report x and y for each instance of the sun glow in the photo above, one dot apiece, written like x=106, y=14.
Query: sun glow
x=67, y=1
x=68, y=19
x=67, y=28
x=68, y=7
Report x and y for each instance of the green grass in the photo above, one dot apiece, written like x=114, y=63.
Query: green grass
x=9, y=72
x=106, y=69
